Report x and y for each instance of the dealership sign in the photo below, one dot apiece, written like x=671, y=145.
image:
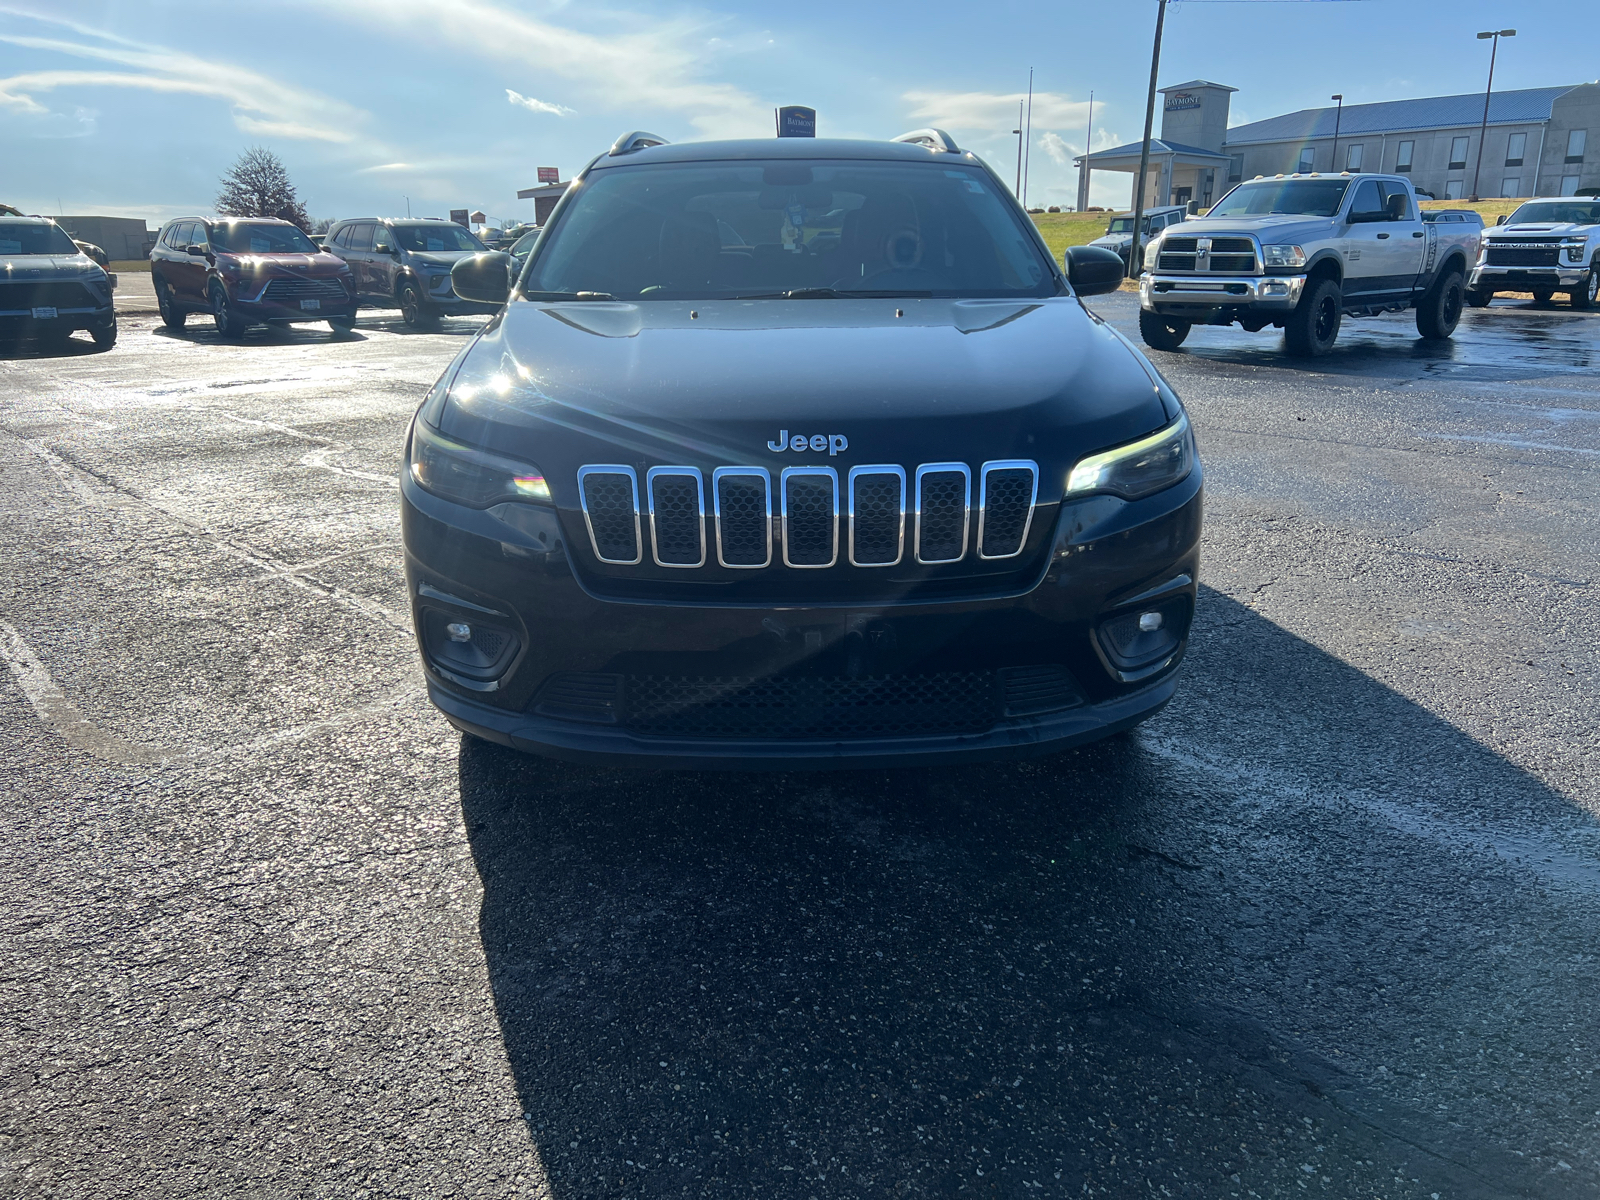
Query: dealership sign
x=458, y=215
x=1177, y=100
x=549, y=174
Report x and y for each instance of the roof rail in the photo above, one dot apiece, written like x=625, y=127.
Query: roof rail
x=936, y=140
x=637, y=140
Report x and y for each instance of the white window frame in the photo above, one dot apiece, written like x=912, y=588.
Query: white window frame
x=1303, y=167
x=1466, y=146
x=1510, y=189
x=1452, y=189
x=1353, y=155
x=1569, y=185
x=1516, y=149
x=1404, y=155
x=1576, y=138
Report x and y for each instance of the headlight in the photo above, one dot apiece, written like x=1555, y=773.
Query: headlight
x=1575, y=250
x=1152, y=253
x=1283, y=256
x=1140, y=468
x=469, y=475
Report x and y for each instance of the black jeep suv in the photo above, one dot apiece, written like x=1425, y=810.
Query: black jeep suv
x=798, y=452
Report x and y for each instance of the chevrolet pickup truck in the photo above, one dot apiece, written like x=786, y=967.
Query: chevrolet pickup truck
x=1300, y=253
x=1546, y=246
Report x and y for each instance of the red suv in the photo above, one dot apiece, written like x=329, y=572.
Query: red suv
x=247, y=271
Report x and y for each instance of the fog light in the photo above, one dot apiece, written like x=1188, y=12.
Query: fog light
x=1135, y=643
x=467, y=650
x=457, y=632
x=1148, y=622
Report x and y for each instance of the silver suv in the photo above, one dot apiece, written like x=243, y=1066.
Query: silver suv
x=405, y=264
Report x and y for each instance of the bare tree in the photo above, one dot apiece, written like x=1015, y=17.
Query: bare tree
x=258, y=186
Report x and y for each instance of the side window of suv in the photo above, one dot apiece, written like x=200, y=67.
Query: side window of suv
x=382, y=243
x=178, y=235
x=1367, y=199
x=197, y=234
x=359, y=237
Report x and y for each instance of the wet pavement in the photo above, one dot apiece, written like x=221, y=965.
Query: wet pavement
x=1327, y=925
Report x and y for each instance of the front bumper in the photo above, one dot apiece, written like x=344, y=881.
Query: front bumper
x=1521, y=279
x=21, y=322
x=288, y=311
x=1177, y=294
x=1108, y=557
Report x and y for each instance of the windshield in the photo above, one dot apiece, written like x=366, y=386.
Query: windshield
x=247, y=237
x=1558, y=212
x=1298, y=197
x=24, y=237
x=437, y=236
x=726, y=230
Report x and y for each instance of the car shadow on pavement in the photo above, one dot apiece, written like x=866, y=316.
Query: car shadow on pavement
x=1137, y=966
x=27, y=348
x=270, y=335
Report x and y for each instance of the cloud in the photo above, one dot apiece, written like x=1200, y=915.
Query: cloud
x=538, y=106
x=1056, y=147
x=260, y=104
x=994, y=112
x=644, y=64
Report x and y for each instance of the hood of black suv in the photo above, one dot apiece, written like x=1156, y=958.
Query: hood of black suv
x=716, y=382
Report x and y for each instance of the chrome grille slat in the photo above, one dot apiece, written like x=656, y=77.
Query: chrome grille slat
x=1007, y=493
x=609, y=494
x=677, y=516
x=742, y=500
x=877, y=508
x=810, y=506
x=1201, y=255
x=944, y=503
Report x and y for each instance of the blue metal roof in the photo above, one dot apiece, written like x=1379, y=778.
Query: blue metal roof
x=1157, y=146
x=1393, y=116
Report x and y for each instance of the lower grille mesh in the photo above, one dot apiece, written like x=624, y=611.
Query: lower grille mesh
x=813, y=706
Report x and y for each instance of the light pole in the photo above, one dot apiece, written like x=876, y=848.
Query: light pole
x=1337, y=114
x=1135, y=260
x=1483, y=130
x=1088, y=146
x=1017, y=191
x=1027, y=125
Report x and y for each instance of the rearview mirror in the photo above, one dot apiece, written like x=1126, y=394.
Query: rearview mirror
x=484, y=277
x=1093, y=270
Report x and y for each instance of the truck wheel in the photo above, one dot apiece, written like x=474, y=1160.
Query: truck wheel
x=1162, y=333
x=1589, y=294
x=172, y=316
x=105, y=336
x=1314, y=324
x=1479, y=299
x=414, y=310
x=1439, y=310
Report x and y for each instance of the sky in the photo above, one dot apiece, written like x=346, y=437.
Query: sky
x=133, y=108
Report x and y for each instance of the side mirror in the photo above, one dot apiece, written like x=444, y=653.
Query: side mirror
x=1502, y=218
x=484, y=277
x=1093, y=270
x=197, y=251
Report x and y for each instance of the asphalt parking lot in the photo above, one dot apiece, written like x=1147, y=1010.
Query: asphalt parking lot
x=1325, y=926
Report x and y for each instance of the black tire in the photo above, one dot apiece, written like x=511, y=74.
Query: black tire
x=1313, y=326
x=1478, y=299
x=1162, y=333
x=1439, y=310
x=105, y=336
x=342, y=324
x=1542, y=295
x=229, y=323
x=1588, y=296
x=414, y=310
x=57, y=341
x=172, y=316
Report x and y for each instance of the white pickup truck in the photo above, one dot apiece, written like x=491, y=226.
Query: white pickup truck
x=1301, y=252
x=1546, y=246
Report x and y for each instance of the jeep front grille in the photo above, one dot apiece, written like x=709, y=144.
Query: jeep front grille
x=881, y=516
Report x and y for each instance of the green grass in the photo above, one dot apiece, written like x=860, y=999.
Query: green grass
x=1061, y=230
x=1487, y=209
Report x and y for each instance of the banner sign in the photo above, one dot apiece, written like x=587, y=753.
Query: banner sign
x=795, y=121
x=549, y=174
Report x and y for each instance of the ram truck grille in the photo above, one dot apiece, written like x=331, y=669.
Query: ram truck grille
x=1201, y=255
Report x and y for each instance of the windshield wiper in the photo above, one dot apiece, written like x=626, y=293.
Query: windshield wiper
x=828, y=293
x=568, y=296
